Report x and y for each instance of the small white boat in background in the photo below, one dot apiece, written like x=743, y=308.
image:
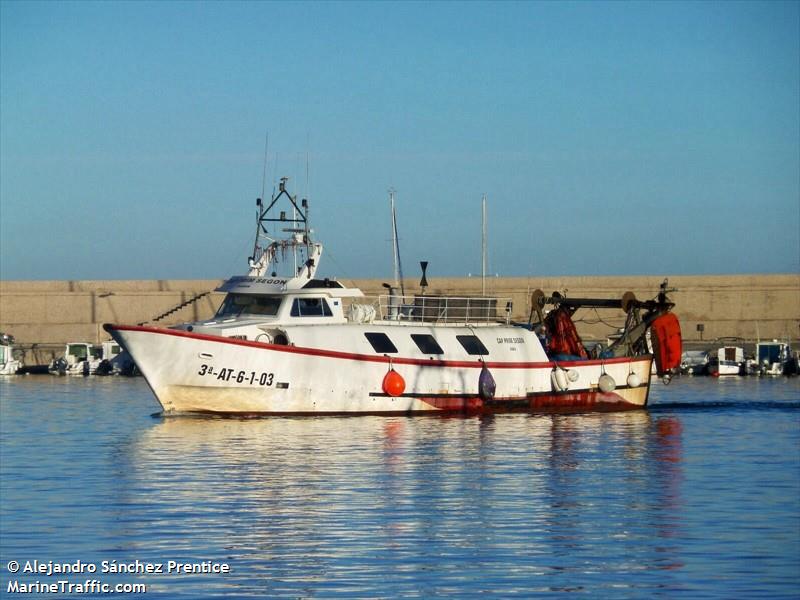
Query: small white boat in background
x=728, y=360
x=750, y=366
x=8, y=364
x=773, y=357
x=115, y=361
x=79, y=358
x=694, y=362
x=107, y=352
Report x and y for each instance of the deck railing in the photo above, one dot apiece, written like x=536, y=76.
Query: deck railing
x=441, y=309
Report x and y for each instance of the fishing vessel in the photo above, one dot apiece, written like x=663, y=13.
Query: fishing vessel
x=303, y=345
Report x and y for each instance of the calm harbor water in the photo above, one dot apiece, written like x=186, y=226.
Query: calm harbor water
x=698, y=496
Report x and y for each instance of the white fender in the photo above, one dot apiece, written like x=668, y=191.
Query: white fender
x=606, y=383
x=634, y=381
x=558, y=378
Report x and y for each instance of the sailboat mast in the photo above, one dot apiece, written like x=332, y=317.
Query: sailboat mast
x=398, y=267
x=483, y=245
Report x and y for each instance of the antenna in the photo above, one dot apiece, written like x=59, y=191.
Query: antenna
x=264, y=172
x=275, y=174
x=308, y=151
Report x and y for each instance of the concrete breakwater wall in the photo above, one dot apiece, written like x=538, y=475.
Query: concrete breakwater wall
x=44, y=315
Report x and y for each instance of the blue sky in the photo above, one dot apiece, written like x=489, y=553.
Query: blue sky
x=610, y=138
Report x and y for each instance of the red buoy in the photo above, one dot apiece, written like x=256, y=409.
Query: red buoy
x=393, y=383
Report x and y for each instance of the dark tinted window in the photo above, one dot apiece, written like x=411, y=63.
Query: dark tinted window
x=381, y=343
x=311, y=307
x=245, y=304
x=79, y=351
x=472, y=344
x=322, y=283
x=426, y=343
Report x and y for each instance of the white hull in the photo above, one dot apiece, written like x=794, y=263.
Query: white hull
x=10, y=368
x=78, y=369
x=8, y=364
x=774, y=369
x=190, y=372
x=724, y=370
x=727, y=362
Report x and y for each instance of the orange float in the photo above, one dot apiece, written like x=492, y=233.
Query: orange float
x=393, y=383
x=667, y=347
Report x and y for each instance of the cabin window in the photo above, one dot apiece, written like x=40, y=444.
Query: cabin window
x=322, y=283
x=472, y=344
x=311, y=307
x=769, y=352
x=79, y=351
x=381, y=343
x=244, y=304
x=427, y=344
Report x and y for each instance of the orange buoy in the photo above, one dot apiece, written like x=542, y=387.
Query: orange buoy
x=665, y=333
x=393, y=383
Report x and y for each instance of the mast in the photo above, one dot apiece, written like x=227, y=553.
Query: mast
x=483, y=245
x=294, y=248
x=398, y=267
x=298, y=238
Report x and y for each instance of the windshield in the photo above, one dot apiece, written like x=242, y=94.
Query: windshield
x=236, y=305
x=78, y=351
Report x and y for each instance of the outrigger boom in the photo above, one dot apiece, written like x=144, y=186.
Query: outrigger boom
x=627, y=302
x=635, y=339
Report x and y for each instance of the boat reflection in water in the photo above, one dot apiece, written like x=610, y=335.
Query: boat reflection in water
x=387, y=506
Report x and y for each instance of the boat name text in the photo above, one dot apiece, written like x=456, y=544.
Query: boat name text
x=510, y=340
x=262, y=280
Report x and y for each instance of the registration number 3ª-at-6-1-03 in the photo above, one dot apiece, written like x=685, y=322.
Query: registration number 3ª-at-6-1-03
x=248, y=377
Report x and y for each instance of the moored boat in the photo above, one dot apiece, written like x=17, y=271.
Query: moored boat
x=773, y=357
x=727, y=360
x=9, y=364
x=694, y=362
x=80, y=358
x=298, y=344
